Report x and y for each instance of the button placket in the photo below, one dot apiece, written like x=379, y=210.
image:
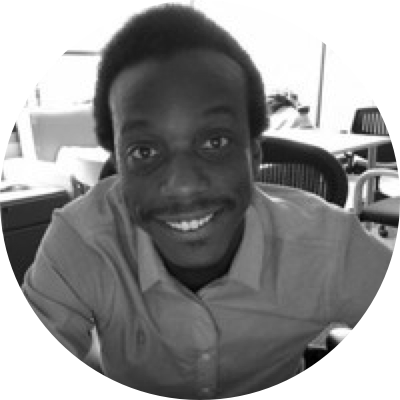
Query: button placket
x=207, y=375
x=206, y=339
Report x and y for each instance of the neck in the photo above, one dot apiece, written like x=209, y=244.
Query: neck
x=196, y=278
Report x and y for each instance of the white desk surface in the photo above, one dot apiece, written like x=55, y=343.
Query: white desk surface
x=333, y=142
x=7, y=197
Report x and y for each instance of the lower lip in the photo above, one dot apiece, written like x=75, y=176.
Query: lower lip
x=199, y=234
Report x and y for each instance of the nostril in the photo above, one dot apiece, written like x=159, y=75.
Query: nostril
x=179, y=188
x=184, y=180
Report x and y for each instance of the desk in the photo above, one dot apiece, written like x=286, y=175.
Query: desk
x=336, y=143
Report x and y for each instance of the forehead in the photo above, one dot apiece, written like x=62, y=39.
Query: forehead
x=194, y=75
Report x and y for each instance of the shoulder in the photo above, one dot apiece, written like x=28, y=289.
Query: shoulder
x=96, y=211
x=77, y=257
x=299, y=215
x=87, y=231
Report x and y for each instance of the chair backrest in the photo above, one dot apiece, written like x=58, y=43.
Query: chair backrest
x=25, y=219
x=310, y=168
x=368, y=121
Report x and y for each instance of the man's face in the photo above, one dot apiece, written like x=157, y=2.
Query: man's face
x=184, y=153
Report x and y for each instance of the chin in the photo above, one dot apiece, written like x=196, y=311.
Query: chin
x=212, y=243
x=193, y=258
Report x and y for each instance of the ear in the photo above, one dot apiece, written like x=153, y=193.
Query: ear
x=256, y=156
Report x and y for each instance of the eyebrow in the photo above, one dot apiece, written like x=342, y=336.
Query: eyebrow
x=142, y=123
x=219, y=109
x=133, y=124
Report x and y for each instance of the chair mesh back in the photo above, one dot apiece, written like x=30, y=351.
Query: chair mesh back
x=368, y=121
x=300, y=176
x=305, y=167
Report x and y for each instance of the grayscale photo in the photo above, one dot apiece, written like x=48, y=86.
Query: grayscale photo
x=195, y=215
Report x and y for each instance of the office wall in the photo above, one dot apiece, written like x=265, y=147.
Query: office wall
x=288, y=56
x=342, y=93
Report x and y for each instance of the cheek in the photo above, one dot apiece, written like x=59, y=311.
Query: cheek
x=244, y=188
x=136, y=195
x=236, y=183
x=131, y=188
x=240, y=173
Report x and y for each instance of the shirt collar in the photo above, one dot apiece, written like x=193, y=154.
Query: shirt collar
x=248, y=262
x=246, y=267
x=151, y=267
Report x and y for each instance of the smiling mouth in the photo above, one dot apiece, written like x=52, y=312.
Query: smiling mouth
x=190, y=225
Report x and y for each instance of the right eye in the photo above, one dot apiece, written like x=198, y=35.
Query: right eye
x=142, y=152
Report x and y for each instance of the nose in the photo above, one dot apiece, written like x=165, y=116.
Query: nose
x=184, y=178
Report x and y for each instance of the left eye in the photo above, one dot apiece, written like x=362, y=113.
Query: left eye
x=216, y=143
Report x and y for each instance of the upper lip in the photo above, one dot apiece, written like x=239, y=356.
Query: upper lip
x=188, y=215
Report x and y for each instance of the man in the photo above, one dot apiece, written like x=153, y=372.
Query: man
x=199, y=283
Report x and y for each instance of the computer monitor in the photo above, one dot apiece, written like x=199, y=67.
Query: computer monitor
x=44, y=132
x=57, y=145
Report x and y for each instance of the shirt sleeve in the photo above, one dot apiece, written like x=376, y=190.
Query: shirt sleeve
x=365, y=262
x=56, y=286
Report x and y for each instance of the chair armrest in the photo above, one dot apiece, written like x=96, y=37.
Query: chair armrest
x=362, y=179
x=335, y=336
x=386, y=165
x=364, y=163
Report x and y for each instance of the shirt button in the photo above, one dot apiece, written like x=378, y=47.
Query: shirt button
x=206, y=390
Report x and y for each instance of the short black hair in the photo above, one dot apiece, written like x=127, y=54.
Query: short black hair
x=161, y=32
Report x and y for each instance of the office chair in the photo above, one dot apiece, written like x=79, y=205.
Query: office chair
x=383, y=211
x=310, y=168
x=368, y=121
x=24, y=221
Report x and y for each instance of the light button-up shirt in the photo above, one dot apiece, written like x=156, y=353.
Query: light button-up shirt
x=302, y=264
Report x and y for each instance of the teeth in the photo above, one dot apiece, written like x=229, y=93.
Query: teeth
x=186, y=226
